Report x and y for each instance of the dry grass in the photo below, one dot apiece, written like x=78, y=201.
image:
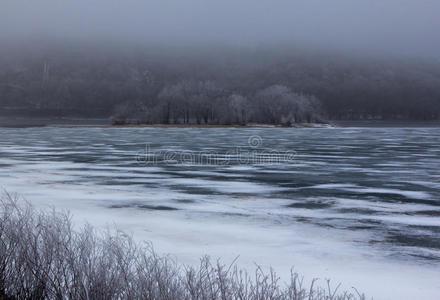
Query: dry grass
x=43, y=257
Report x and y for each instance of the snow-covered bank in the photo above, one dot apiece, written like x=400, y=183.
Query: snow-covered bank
x=42, y=256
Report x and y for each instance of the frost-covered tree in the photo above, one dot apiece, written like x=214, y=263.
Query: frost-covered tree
x=277, y=104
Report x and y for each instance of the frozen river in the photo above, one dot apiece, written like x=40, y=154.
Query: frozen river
x=358, y=205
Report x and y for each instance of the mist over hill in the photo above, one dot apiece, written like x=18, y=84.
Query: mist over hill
x=228, y=62
x=229, y=85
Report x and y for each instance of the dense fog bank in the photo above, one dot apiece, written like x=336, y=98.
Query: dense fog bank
x=280, y=84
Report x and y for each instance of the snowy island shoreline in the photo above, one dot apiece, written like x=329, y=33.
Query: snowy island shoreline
x=22, y=122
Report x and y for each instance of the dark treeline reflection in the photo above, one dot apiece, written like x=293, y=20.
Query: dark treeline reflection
x=278, y=85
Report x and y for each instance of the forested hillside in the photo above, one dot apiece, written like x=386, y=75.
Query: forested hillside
x=282, y=85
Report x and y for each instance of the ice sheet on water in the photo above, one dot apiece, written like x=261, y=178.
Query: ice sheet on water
x=225, y=187
x=356, y=205
x=379, y=191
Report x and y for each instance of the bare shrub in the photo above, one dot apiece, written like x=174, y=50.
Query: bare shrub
x=43, y=257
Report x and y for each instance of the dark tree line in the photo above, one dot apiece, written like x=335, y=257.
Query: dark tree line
x=228, y=86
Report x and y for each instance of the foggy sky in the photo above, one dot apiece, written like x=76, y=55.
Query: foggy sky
x=407, y=27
